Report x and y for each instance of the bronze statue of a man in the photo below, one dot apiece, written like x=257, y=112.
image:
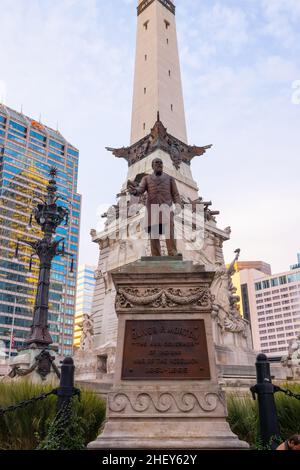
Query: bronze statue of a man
x=162, y=193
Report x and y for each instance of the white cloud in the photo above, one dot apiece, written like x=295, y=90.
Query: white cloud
x=3, y=91
x=282, y=20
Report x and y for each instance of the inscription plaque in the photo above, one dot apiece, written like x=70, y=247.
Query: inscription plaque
x=165, y=350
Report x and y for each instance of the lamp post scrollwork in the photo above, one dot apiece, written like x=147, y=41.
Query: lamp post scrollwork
x=48, y=215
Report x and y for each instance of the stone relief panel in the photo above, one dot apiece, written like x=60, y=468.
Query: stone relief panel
x=166, y=403
x=163, y=298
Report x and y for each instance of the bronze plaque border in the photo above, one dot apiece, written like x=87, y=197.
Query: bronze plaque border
x=129, y=355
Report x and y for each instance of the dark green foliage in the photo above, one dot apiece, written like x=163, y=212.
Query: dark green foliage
x=26, y=428
x=65, y=432
x=243, y=415
x=243, y=418
x=288, y=411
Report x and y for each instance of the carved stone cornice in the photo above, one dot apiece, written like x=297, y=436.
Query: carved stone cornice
x=159, y=139
x=131, y=297
x=165, y=403
x=146, y=3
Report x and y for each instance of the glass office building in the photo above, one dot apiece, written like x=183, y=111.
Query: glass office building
x=273, y=303
x=28, y=149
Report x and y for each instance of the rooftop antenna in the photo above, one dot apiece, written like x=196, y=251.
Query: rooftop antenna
x=40, y=118
x=21, y=109
x=56, y=126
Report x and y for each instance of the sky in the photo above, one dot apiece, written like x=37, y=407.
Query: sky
x=71, y=63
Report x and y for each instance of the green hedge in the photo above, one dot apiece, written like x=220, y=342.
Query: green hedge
x=31, y=427
x=243, y=415
x=26, y=428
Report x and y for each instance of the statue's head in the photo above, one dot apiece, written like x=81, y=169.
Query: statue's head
x=157, y=165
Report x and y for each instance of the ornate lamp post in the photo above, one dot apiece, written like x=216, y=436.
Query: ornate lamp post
x=48, y=216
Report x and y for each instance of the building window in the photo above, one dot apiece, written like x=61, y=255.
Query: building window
x=146, y=57
x=245, y=301
x=145, y=91
x=146, y=24
x=167, y=24
x=169, y=73
x=144, y=126
x=282, y=280
x=167, y=41
x=171, y=107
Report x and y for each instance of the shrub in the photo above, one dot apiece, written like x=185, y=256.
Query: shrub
x=27, y=427
x=243, y=415
x=243, y=418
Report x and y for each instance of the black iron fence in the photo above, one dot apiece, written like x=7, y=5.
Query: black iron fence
x=265, y=391
x=64, y=393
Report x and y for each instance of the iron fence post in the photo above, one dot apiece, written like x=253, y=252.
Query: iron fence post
x=65, y=390
x=268, y=421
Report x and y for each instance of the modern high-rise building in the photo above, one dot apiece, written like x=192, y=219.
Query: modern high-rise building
x=28, y=149
x=241, y=289
x=84, y=297
x=272, y=304
x=297, y=265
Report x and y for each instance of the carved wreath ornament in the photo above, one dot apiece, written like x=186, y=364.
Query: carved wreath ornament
x=162, y=298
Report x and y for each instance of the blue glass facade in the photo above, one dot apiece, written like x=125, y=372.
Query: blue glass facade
x=84, y=298
x=28, y=150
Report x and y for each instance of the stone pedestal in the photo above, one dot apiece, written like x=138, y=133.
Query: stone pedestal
x=166, y=392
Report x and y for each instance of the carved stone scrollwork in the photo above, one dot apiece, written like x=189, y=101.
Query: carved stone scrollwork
x=98, y=274
x=159, y=139
x=165, y=402
x=163, y=298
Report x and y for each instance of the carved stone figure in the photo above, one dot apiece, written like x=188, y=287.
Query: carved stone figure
x=162, y=193
x=86, y=339
x=292, y=359
x=111, y=359
x=225, y=309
